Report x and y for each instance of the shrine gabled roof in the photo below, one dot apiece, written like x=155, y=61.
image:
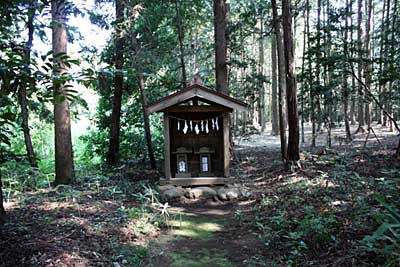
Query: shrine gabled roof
x=192, y=91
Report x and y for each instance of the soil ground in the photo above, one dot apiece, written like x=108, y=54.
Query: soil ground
x=87, y=224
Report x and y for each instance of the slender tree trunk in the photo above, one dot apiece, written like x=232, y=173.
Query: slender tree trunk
x=367, y=65
x=360, y=112
x=318, y=59
x=385, y=59
x=381, y=55
x=291, y=90
x=113, y=149
x=281, y=74
x=2, y=210
x=221, y=70
x=261, y=75
x=181, y=37
x=23, y=102
x=345, y=82
x=281, y=110
x=274, y=93
x=304, y=82
x=62, y=120
x=393, y=52
x=310, y=81
x=328, y=96
x=243, y=83
x=146, y=122
x=353, y=81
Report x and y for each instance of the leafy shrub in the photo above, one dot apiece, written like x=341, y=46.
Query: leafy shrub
x=385, y=241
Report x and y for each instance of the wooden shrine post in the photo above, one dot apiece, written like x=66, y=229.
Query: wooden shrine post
x=167, y=152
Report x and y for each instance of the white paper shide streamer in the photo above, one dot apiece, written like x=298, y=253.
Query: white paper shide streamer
x=197, y=126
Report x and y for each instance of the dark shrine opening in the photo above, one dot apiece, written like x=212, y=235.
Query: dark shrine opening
x=199, y=144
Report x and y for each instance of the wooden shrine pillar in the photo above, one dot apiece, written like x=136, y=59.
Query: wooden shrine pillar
x=167, y=148
x=225, y=128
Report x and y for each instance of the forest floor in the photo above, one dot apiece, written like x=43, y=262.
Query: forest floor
x=317, y=216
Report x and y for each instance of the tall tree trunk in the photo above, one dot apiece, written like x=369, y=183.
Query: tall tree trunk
x=221, y=70
x=113, y=149
x=64, y=162
x=303, y=67
x=261, y=93
x=310, y=81
x=281, y=109
x=23, y=102
x=179, y=26
x=274, y=93
x=360, y=41
x=328, y=96
x=2, y=210
x=381, y=55
x=146, y=122
x=353, y=80
x=282, y=74
x=345, y=82
x=367, y=65
x=318, y=59
x=385, y=60
x=291, y=90
x=393, y=52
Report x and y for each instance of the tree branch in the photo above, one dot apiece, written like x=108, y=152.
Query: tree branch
x=370, y=94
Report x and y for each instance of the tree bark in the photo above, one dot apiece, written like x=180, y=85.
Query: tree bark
x=281, y=110
x=393, y=52
x=146, y=122
x=310, y=80
x=291, y=90
x=360, y=112
x=303, y=67
x=181, y=37
x=381, y=55
x=22, y=95
x=274, y=93
x=328, y=95
x=367, y=65
x=345, y=82
x=2, y=210
x=113, y=149
x=281, y=74
x=221, y=70
x=385, y=60
x=261, y=93
x=353, y=81
x=64, y=162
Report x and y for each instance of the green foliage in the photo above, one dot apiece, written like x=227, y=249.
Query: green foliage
x=205, y=257
x=385, y=241
x=19, y=177
x=130, y=255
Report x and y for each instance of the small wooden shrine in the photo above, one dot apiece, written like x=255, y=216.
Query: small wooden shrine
x=196, y=135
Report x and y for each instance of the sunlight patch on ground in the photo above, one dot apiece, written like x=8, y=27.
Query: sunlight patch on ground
x=204, y=257
x=194, y=227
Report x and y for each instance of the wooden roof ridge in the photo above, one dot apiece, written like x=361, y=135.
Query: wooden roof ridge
x=190, y=92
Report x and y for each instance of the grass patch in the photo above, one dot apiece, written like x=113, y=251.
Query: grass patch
x=204, y=257
x=199, y=227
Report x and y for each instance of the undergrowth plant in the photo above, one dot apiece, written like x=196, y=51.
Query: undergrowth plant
x=385, y=240
x=151, y=214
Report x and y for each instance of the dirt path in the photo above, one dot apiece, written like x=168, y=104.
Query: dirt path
x=204, y=234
